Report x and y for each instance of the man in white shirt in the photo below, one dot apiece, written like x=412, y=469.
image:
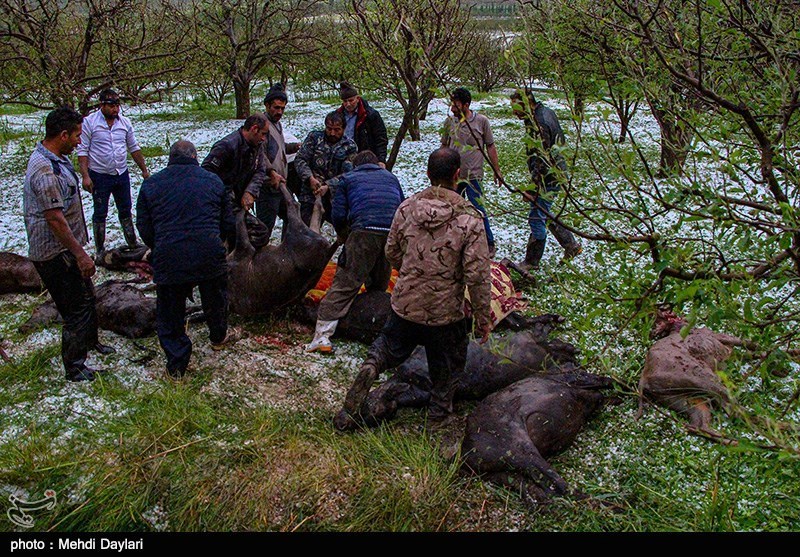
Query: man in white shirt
x=106, y=140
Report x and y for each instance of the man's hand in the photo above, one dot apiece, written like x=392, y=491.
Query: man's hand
x=276, y=180
x=314, y=184
x=248, y=201
x=86, y=265
x=145, y=174
x=482, y=333
x=382, y=165
x=322, y=190
x=498, y=178
x=88, y=185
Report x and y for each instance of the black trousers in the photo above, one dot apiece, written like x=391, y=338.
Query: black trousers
x=445, y=347
x=171, y=317
x=74, y=298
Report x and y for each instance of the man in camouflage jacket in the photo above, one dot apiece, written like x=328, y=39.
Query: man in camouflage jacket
x=437, y=243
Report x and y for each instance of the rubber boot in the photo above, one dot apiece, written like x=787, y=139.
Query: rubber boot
x=129, y=231
x=566, y=240
x=99, y=233
x=322, y=337
x=360, y=389
x=533, y=254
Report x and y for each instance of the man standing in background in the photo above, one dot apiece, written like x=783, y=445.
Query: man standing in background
x=363, y=124
x=470, y=134
x=106, y=140
x=270, y=203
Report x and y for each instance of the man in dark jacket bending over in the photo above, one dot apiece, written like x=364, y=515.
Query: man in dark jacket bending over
x=362, y=211
x=240, y=161
x=183, y=213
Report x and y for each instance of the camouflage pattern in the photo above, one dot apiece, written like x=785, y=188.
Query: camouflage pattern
x=323, y=159
x=438, y=245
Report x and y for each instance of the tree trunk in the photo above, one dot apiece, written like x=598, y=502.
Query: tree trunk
x=625, y=112
x=675, y=140
x=398, y=141
x=413, y=129
x=241, y=89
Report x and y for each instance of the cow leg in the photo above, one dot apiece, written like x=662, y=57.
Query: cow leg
x=519, y=484
x=316, y=216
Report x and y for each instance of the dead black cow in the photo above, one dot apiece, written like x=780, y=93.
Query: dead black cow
x=18, y=275
x=121, y=308
x=511, y=359
x=511, y=432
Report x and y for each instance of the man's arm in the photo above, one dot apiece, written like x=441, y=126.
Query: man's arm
x=380, y=138
x=138, y=158
x=218, y=159
x=83, y=165
x=302, y=163
x=61, y=230
x=477, y=276
x=144, y=221
x=260, y=175
x=395, y=244
x=491, y=150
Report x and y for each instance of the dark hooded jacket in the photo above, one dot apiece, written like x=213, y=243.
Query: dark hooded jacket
x=183, y=213
x=545, y=163
x=370, y=130
x=438, y=245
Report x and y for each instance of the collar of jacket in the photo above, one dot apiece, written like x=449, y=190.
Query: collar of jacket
x=182, y=160
x=361, y=112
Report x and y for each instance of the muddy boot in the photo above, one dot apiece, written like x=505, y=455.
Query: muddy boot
x=99, y=233
x=129, y=231
x=360, y=389
x=322, y=340
x=533, y=254
x=566, y=240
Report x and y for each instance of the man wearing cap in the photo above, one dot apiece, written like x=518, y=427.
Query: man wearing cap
x=270, y=201
x=363, y=124
x=106, y=140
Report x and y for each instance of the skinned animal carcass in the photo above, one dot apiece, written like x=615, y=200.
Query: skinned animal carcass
x=487, y=370
x=262, y=279
x=134, y=259
x=18, y=275
x=121, y=308
x=680, y=373
x=510, y=433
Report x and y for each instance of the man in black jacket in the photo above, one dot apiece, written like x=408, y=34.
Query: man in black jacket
x=183, y=213
x=363, y=124
x=240, y=161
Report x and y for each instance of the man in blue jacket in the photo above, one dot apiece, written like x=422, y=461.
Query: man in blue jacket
x=362, y=210
x=183, y=214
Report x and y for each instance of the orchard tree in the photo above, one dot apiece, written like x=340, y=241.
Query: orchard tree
x=408, y=49
x=244, y=36
x=56, y=53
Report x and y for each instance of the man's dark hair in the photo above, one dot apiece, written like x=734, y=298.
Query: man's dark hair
x=517, y=96
x=108, y=95
x=334, y=118
x=442, y=165
x=256, y=119
x=276, y=93
x=61, y=119
x=365, y=157
x=461, y=95
x=182, y=148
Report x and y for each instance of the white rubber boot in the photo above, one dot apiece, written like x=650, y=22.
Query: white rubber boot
x=322, y=334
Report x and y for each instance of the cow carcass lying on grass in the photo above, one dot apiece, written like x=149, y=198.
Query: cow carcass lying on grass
x=680, y=373
x=262, y=279
x=135, y=260
x=511, y=432
x=513, y=358
x=18, y=275
x=121, y=308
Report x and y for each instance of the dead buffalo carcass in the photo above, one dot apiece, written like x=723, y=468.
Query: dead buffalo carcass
x=266, y=278
x=18, y=275
x=487, y=370
x=511, y=432
x=121, y=308
x=134, y=259
x=680, y=373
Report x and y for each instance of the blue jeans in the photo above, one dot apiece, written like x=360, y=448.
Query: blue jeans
x=537, y=218
x=474, y=194
x=106, y=185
